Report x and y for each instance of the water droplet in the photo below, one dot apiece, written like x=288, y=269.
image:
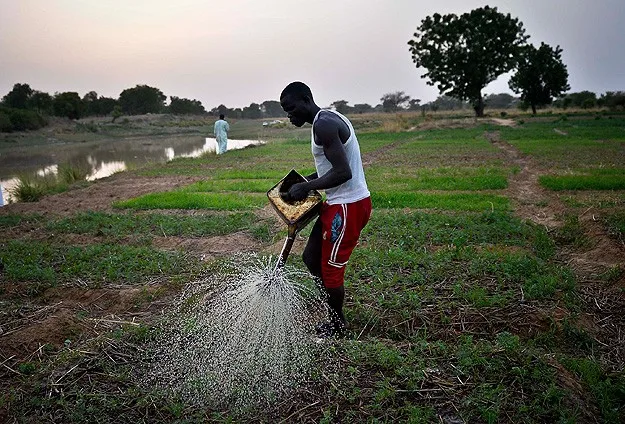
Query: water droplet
x=240, y=338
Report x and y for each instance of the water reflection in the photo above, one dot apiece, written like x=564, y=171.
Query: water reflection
x=48, y=170
x=105, y=169
x=102, y=158
x=6, y=186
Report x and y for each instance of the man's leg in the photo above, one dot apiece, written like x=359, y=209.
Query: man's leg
x=336, y=297
x=340, y=233
x=312, y=253
x=312, y=259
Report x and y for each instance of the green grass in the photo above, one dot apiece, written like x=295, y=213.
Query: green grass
x=12, y=220
x=616, y=225
x=583, y=182
x=370, y=142
x=572, y=233
x=608, y=391
x=460, y=311
x=194, y=200
x=31, y=188
x=447, y=201
x=603, y=130
x=33, y=261
x=484, y=260
x=504, y=382
x=120, y=225
x=479, y=277
x=246, y=185
x=438, y=148
x=587, y=143
x=598, y=200
x=416, y=230
x=259, y=174
x=444, y=178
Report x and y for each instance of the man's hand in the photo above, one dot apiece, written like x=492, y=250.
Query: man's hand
x=297, y=192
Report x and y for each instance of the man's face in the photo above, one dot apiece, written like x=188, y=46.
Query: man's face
x=296, y=109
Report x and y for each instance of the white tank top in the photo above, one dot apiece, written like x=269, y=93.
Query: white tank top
x=356, y=188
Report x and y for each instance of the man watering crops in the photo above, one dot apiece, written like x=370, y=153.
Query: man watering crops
x=347, y=208
x=221, y=134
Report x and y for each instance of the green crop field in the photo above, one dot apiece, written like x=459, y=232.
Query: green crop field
x=461, y=303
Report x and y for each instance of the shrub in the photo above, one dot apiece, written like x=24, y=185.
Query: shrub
x=116, y=113
x=503, y=114
x=615, y=100
x=5, y=123
x=588, y=104
x=20, y=120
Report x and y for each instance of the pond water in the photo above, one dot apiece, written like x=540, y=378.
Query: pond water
x=102, y=158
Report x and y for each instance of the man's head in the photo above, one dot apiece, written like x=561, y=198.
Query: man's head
x=221, y=116
x=297, y=101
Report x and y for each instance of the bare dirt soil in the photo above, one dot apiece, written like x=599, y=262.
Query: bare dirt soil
x=100, y=195
x=603, y=302
x=210, y=247
x=529, y=199
x=544, y=207
x=64, y=315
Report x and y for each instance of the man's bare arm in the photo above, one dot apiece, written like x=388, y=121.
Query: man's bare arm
x=326, y=135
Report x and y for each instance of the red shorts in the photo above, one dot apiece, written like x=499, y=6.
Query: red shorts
x=341, y=225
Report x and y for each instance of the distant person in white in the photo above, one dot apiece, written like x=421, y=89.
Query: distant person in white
x=221, y=134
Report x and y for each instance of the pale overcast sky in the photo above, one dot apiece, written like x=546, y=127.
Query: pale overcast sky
x=240, y=51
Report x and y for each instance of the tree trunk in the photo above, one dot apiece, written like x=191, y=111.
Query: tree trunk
x=479, y=107
x=533, y=109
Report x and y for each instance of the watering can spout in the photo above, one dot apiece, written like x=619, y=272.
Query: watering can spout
x=296, y=214
x=286, y=248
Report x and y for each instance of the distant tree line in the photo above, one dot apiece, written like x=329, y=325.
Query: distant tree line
x=266, y=109
x=399, y=101
x=613, y=100
x=26, y=109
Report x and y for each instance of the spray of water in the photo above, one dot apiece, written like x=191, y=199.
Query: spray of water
x=241, y=338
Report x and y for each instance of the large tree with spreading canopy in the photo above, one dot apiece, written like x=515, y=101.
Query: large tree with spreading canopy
x=463, y=54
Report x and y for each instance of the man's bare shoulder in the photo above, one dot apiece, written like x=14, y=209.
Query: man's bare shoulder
x=328, y=122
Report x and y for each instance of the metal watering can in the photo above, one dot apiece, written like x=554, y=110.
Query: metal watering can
x=295, y=214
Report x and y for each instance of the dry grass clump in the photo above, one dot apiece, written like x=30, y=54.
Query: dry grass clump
x=31, y=188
